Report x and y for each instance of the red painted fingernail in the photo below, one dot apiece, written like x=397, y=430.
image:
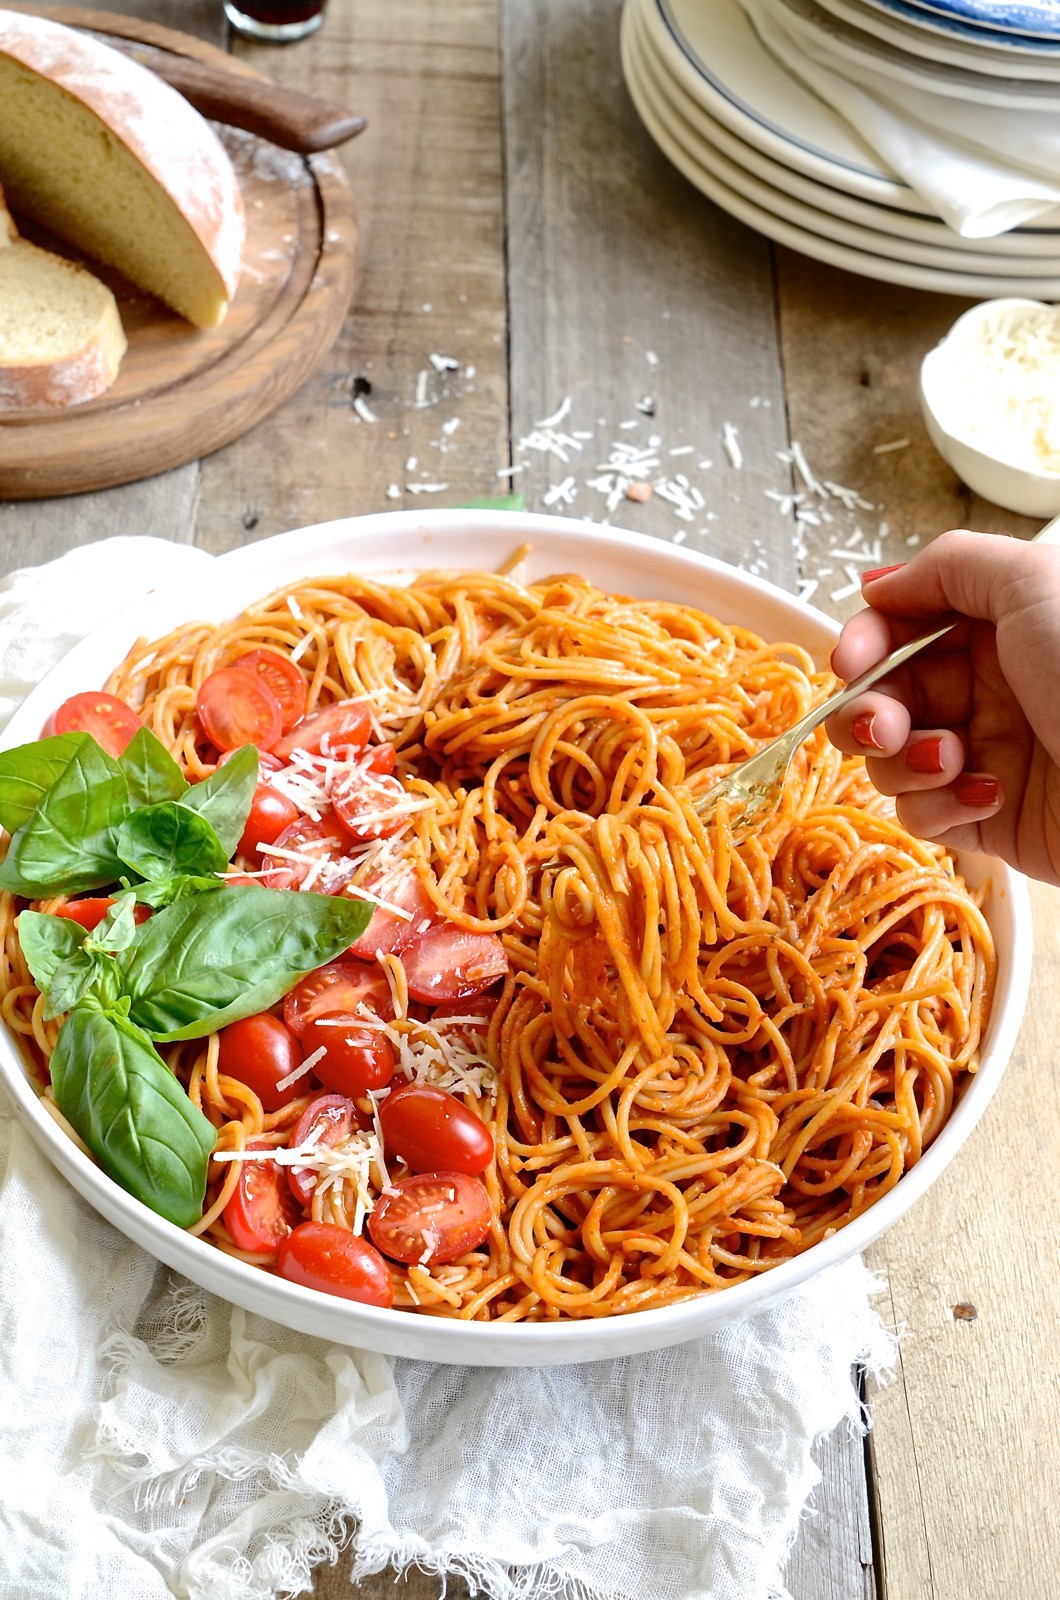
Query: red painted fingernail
x=973, y=791
x=925, y=756
x=862, y=729
x=879, y=572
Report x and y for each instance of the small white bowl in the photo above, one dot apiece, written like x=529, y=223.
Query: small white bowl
x=947, y=380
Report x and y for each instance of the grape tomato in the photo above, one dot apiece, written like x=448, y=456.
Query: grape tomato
x=429, y=1128
x=260, y=1052
x=326, y=1122
x=236, y=707
x=270, y=813
x=283, y=677
x=262, y=1210
x=347, y=723
x=322, y=1256
x=339, y=986
x=357, y=1057
x=109, y=720
x=432, y=1217
x=451, y=963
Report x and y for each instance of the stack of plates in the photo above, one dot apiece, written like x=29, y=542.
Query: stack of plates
x=766, y=149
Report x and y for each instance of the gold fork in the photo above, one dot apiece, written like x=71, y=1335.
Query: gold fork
x=754, y=788
x=756, y=785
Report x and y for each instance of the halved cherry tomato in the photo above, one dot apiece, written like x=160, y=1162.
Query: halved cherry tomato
x=90, y=911
x=432, y=1216
x=429, y=1128
x=339, y=986
x=283, y=677
x=260, y=1051
x=236, y=707
x=262, y=1210
x=267, y=762
x=382, y=758
x=270, y=813
x=476, y=1014
x=109, y=720
x=369, y=804
x=328, y=1120
x=358, y=1058
x=387, y=933
x=321, y=1256
x=346, y=723
x=449, y=963
x=312, y=839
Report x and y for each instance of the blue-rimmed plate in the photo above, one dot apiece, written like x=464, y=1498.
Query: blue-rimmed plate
x=1033, y=19
x=953, y=44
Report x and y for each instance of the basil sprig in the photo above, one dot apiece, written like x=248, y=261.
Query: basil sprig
x=210, y=955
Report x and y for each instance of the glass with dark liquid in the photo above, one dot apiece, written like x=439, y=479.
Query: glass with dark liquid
x=275, y=21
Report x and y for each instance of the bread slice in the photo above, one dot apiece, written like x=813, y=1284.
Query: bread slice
x=61, y=338
x=8, y=231
x=110, y=158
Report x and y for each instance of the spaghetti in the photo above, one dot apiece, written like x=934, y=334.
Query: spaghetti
x=707, y=1055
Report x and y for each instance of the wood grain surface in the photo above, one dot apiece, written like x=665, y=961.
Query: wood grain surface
x=183, y=391
x=515, y=218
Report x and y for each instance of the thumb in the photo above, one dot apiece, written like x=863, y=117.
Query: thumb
x=986, y=575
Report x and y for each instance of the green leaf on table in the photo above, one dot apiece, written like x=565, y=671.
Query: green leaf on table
x=163, y=840
x=69, y=842
x=212, y=959
x=224, y=797
x=47, y=941
x=500, y=502
x=28, y=772
x=117, y=1092
x=150, y=771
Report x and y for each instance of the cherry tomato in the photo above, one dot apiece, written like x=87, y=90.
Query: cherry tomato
x=312, y=840
x=358, y=1058
x=449, y=963
x=318, y=1255
x=387, y=933
x=339, y=986
x=262, y=1210
x=478, y=1012
x=283, y=677
x=429, y=1128
x=382, y=758
x=270, y=813
x=260, y=1051
x=432, y=1216
x=365, y=802
x=236, y=707
x=267, y=762
x=328, y=1120
x=346, y=723
x=109, y=720
x=90, y=911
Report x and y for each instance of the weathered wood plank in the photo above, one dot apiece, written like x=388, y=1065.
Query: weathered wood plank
x=427, y=177
x=624, y=283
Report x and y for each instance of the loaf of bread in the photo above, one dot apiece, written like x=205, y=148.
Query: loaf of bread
x=107, y=156
x=61, y=338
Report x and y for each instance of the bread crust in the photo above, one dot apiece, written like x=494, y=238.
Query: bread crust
x=57, y=381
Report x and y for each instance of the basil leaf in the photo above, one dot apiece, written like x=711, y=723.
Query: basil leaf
x=68, y=843
x=166, y=891
x=28, y=772
x=214, y=958
x=224, y=797
x=81, y=974
x=163, y=840
x=47, y=941
x=150, y=771
x=117, y=928
x=117, y=1092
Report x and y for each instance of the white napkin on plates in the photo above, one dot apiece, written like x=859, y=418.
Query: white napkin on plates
x=982, y=168
x=155, y=1441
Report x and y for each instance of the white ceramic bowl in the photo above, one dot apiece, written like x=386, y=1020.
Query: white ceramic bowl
x=947, y=394
x=391, y=547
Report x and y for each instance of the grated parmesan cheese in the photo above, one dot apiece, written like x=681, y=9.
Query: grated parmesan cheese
x=1003, y=392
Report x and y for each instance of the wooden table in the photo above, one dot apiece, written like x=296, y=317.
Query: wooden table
x=515, y=217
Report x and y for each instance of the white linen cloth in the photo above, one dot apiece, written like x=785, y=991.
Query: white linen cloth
x=155, y=1441
x=982, y=168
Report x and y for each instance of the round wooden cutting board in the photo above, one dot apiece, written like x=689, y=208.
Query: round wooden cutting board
x=183, y=392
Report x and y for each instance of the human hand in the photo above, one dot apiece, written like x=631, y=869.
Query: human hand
x=967, y=734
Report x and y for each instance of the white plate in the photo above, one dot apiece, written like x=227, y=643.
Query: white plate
x=885, y=220
x=964, y=49
x=1031, y=23
x=808, y=20
x=391, y=547
x=716, y=56
x=818, y=244
x=952, y=268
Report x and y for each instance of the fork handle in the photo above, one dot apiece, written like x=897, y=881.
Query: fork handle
x=835, y=702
